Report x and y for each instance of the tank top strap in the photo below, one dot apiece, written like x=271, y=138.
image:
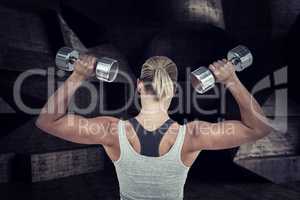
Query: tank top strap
x=182, y=132
x=179, y=143
x=180, y=136
x=122, y=140
x=121, y=131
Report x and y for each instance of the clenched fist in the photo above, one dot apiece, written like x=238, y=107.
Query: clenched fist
x=223, y=70
x=85, y=66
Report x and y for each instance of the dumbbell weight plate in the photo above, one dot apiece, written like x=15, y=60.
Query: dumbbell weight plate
x=65, y=58
x=202, y=80
x=107, y=69
x=241, y=57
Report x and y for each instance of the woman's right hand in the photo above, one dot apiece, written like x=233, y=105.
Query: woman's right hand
x=224, y=71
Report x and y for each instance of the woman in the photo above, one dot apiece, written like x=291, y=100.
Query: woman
x=152, y=154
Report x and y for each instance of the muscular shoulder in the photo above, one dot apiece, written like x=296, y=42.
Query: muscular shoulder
x=194, y=130
x=108, y=126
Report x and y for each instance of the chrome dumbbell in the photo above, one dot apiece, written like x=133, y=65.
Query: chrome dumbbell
x=203, y=79
x=106, y=68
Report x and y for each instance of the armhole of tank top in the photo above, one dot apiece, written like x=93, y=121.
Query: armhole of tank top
x=181, y=142
x=121, y=141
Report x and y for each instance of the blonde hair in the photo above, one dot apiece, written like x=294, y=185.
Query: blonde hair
x=159, y=74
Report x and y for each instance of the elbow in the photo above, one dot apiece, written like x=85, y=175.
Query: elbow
x=266, y=129
x=263, y=132
x=42, y=123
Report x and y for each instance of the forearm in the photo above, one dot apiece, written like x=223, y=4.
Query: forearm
x=252, y=114
x=58, y=103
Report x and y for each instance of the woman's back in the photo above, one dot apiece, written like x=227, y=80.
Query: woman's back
x=144, y=177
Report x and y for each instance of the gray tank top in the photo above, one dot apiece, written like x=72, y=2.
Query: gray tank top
x=143, y=177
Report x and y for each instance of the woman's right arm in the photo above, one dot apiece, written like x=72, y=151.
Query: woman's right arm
x=55, y=120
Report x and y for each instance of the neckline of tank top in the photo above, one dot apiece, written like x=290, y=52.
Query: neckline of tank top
x=148, y=157
x=157, y=129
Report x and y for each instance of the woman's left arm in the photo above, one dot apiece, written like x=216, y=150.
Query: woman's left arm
x=252, y=126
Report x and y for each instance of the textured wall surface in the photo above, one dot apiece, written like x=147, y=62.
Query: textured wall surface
x=275, y=169
x=284, y=14
x=60, y=164
x=199, y=11
x=24, y=30
x=5, y=167
x=29, y=139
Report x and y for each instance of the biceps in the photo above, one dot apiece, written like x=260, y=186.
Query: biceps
x=222, y=135
x=81, y=130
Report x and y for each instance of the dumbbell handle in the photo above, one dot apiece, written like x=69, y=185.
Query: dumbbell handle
x=72, y=60
x=203, y=79
x=235, y=62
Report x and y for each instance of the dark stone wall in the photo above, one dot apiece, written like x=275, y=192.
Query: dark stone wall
x=60, y=164
x=6, y=167
x=23, y=30
x=247, y=20
x=283, y=14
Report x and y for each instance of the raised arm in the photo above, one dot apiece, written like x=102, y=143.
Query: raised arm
x=54, y=119
x=228, y=134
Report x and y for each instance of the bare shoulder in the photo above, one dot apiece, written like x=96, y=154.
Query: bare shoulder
x=103, y=123
x=108, y=119
x=108, y=125
x=112, y=123
x=174, y=130
x=194, y=130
